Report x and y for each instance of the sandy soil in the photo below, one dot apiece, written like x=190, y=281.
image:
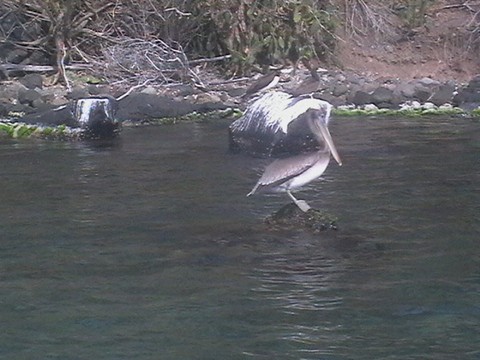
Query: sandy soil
x=442, y=48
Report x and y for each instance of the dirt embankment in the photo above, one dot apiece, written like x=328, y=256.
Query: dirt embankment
x=444, y=47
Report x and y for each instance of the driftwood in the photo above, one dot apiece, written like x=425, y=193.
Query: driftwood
x=41, y=68
x=208, y=60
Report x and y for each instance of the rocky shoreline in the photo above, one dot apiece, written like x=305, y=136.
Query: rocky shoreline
x=349, y=93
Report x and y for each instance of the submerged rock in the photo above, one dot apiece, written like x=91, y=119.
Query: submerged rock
x=291, y=217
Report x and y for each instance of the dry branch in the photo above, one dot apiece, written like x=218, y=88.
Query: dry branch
x=142, y=60
x=41, y=68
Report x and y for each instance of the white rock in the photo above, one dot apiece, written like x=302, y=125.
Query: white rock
x=346, y=107
x=149, y=90
x=370, y=107
x=446, y=106
x=428, y=106
x=410, y=105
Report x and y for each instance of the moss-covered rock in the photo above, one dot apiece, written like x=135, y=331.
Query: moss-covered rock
x=398, y=112
x=291, y=217
x=18, y=130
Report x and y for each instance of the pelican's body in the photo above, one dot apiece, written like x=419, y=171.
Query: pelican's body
x=278, y=118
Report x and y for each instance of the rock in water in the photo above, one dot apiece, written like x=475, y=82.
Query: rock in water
x=291, y=217
x=94, y=117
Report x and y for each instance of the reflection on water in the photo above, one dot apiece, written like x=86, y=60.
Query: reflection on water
x=147, y=248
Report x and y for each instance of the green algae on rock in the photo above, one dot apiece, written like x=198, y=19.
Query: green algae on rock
x=291, y=217
x=397, y=112
x=19, y=130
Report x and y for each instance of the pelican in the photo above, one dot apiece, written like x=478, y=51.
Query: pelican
x=278, y=118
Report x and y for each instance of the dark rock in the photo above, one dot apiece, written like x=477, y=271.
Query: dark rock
x=443, y=95
x=62, y=115
x=183, y=90
x=422, y=93
x=469, y=96
x=19, y=108
x=475, y=82
x=361, y=97
x=97, y=89
x=5, y=49
x=382, y=96
x=398, y=97
x=10, y=92
x=37, y=57
x=16, y=56
x=77, y=93
x=339, y=90
x=357, y=80
x=3, y=109
x=235, y=92
x=407, y=90
x=334, y=100
x=28, y=96
x=139, y=107
x=38, y=103
x=32, y=81
x=291, y=217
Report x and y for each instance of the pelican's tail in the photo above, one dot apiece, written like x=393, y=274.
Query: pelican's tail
x=253, y=190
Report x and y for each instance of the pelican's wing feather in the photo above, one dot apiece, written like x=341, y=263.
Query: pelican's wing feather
x=262, y=115
x=282, y=170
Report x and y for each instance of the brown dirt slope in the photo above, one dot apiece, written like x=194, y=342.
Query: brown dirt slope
x=445, y=47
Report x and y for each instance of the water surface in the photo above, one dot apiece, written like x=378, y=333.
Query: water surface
x=147, y=248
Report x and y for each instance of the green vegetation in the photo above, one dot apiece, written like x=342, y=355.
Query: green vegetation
x=168, y=32
x=132, y=36
x=19, y=130
x=264, y=32
x=416, y=12
x=407, y=113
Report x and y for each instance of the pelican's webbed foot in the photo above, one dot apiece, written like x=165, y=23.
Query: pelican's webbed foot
x=302, y=204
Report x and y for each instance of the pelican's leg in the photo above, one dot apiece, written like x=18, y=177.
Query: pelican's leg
x=302, y=204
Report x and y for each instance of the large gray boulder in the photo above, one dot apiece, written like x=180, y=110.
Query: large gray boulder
x=383, y=97
x=144, y=107
x=469, y=96
x=444, y=94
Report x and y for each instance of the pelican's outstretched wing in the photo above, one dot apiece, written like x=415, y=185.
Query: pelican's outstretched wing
x=262, y=116
x=264, y=129
x=282, y=170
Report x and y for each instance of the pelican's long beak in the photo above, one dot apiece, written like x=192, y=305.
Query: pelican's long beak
x=328, y=139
